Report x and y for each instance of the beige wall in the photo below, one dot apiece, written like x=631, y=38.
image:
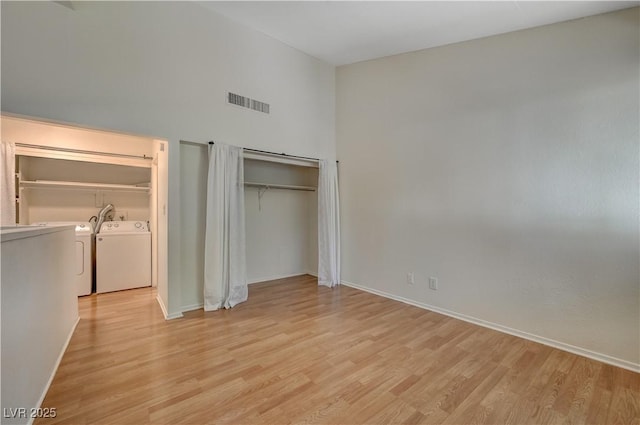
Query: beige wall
x=507, y=167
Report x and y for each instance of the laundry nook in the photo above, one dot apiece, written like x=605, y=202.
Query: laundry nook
x=90, y=206
x=103, y=183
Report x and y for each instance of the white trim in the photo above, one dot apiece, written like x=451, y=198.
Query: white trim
x=192, y=307
x=314, y=274
x=166, y=315
x=55, y=368
x=625, y=364
x=268, y=278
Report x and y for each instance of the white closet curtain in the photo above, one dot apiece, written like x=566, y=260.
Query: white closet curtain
x=8, y=184
x=328, y=225
x=225, y=282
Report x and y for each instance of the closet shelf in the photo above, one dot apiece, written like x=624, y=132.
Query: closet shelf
x=280, y=186
x=81, y=185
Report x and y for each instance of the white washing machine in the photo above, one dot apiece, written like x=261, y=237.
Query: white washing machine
x=123, y=256
x=84, y=250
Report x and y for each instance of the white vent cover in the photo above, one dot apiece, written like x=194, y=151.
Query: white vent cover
x=245, y=102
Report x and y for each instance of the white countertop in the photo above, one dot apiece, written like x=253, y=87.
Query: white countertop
x=18, y=231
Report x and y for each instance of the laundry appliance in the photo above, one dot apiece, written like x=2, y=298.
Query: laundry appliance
x=123, y=256
x=83, y=264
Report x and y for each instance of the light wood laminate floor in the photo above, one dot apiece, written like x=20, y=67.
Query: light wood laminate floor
x=296, y=353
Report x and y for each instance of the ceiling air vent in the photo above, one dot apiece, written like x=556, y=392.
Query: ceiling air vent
x=245, y=102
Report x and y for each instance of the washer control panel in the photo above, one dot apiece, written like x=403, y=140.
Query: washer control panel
x=124, y=226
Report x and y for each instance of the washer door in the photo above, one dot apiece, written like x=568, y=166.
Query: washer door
x=123, y=261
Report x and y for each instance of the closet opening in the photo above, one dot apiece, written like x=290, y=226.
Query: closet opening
x=281, y=217
x=113, y=187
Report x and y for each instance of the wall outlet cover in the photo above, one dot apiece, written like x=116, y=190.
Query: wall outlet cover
x=433, y=283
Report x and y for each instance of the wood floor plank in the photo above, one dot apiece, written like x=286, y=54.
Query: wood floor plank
x=396, y=412
x=470, y=409
x=303, y=354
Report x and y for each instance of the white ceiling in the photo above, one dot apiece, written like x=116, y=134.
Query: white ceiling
x=343, y=32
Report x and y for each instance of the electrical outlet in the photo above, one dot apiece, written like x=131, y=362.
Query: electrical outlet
x=411, y=279
x=433, y=283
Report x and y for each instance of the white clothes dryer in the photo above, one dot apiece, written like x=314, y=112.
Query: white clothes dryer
x=84, y=252
x=123, y=256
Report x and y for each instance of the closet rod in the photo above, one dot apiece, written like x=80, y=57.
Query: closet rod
x=276, y=153
x=280, y=186
x=68, y=150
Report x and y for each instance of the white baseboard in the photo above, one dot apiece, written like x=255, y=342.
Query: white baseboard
x=625, y=364
x=55, y=367
x=267, y=278
x=192, y=307
x=166, y=315
x=314, y=274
